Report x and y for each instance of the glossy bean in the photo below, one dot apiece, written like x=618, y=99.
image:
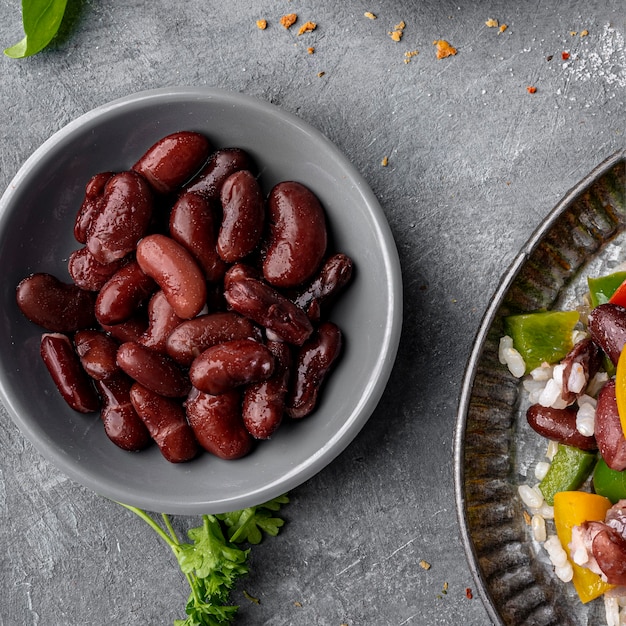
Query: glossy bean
x=97, y=352
x=312, y=365
x=129, y=330
x=153, y=370
x=607, y=327
x=162, y=320
x=88, y=273
x=91, y=205
x=218, y=168
x=123, y=293
x=231, y=364
x=558, y=425
x=121, y=423
x=608, y=429
x=62, y=362
x=267, y=307
x=192, y=337
x=217, y=424
x=167, y=424
x=175, y=270
x=335, y=274
x=586, y=355
x=609, y=550
x=124, y=217
x=173, y=160
x=263, y=404
x=297, y=235
x=55, y=305
x=243, y=209
x=194, y=224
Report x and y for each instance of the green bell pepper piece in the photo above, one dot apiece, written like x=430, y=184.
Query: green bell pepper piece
x=569, y=469
x=601, y=288
x=608, y=482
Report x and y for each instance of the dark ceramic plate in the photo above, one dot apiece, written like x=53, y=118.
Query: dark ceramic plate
x=495, y=450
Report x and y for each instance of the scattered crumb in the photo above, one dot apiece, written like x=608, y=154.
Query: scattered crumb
x=549, y=57
x=584, y=33
x=288, y=20
x=369, y=15
x=444, y=49
x=409, y=54
x=310, y=50
x=491, y=23
x=320, y=74
x=531, y=89
x=565, y=55
x=251, y=598
x=444, y=590
x=573, y=33
x=261, y=24
x=424, y=564
x=527, y=518
x=307, y=28
x=298, y=604
x=468, y=593
x=502, y=28
x=398, y=31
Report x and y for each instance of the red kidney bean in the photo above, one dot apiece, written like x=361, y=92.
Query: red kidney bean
x=335, y=274
x=607, y=326
x=173, y=160
x=97, y=352
x=608, y=429
x=126, y=211
x=231, y=364
x=91, y=205
x=609, y=549
x=162, y=320
x=64, y=366
x=153, y=370
x=219, y=167
x=130, y=330
x=192, y=337
x=263, y=404
x=217, y=424
x=88, y=273
x=313, y=362
x=243, y=218
x=268, y=308
x=123, y=293
x=122, y=425
x=297, y=235
x=55, y=305
x=558, y=425
x=175, y=271
x=586, y=354
x=167, y=423
x=194, y=224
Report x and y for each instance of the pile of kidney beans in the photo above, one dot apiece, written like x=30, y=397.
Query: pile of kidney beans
x=197, y=315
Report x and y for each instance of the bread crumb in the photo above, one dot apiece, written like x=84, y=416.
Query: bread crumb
x=385, y=161
x=527, y=518
x=584, y=33
x=573, y=33
x=320, y=74
x=398, y=31
x=531, y=89
x=307, y=28
x=491, y=23
x=502, y=28
x=444, y=49
x=288, y=20
x=409, y=54
x=261, y=24
x=424, y=564
x=310, y=50
x=298, y=604
x=369, y=15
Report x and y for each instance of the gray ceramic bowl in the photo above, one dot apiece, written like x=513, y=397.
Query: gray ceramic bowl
x=37, y=212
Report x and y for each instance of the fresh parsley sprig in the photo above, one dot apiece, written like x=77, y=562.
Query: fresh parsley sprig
x=212, y=562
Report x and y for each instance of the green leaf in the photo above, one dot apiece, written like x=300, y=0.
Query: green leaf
x=247, y=524
x=41, y=20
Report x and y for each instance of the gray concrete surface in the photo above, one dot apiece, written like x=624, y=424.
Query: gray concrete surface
x=475, y=164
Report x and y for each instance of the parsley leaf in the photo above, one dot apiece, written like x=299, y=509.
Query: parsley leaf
x=247, y=524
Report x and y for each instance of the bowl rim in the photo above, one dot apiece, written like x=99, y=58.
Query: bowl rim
x=478, y=345
x=393, y=320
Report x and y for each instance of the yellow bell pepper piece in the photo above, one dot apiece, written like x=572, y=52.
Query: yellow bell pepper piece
x=572, y=508
x=620, y=388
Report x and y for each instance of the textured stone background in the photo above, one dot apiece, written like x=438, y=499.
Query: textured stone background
x=475, y=165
